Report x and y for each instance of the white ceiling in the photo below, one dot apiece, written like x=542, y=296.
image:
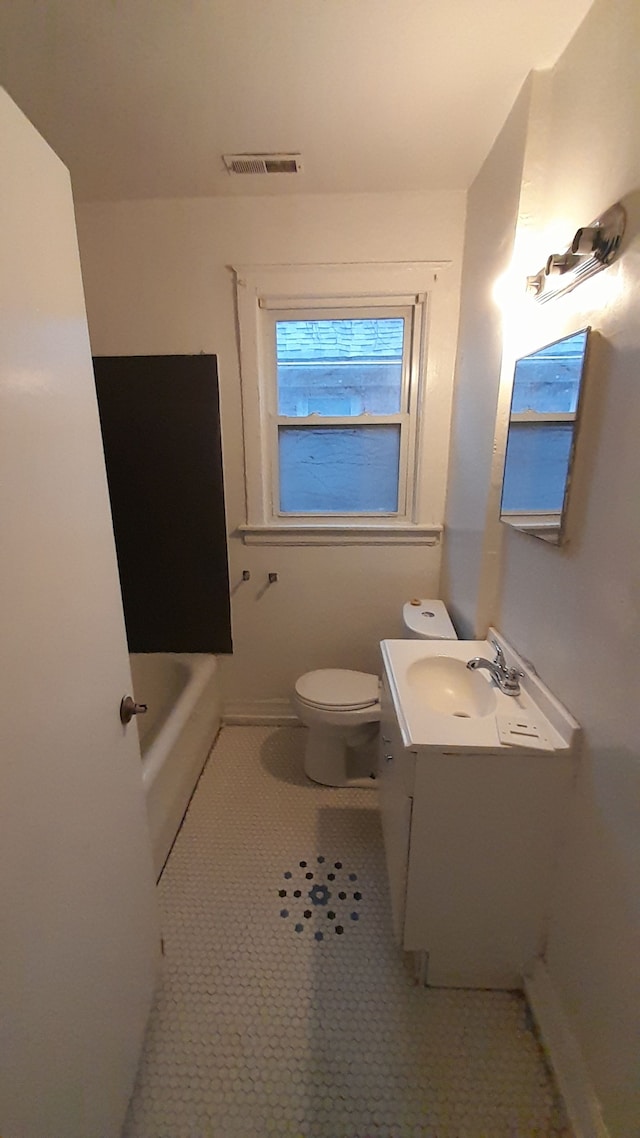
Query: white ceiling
x=142, y=97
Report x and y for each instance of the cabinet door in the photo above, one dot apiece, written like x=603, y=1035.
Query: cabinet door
x=395, y=780
x=484, y=841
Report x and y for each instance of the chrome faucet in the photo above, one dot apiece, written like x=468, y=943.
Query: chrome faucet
x=507, y=679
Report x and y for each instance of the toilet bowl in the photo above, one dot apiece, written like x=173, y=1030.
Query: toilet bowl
x=341, y=708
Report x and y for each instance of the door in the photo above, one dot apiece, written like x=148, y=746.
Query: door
x=80, y=939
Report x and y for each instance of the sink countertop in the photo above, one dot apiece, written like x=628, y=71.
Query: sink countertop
x=422, y=726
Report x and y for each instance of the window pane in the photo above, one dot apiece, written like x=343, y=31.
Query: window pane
x=339, y=470
x=549, y=380
x=536, y=467
x=339, y=367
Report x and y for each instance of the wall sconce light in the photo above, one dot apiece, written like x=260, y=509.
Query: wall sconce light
x=593, y=248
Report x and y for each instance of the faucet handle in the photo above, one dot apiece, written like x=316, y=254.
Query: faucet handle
x=510, y=682
x=512, y=674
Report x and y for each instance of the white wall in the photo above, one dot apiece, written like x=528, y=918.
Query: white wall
x=157, y=280
x=575, y=611
x=492, y=209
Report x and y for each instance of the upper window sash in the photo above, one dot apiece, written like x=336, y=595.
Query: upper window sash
x=409, y=368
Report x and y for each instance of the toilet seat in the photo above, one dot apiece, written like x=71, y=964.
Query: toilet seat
x=338, y=689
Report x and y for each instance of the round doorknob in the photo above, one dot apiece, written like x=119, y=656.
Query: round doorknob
x=129, y=708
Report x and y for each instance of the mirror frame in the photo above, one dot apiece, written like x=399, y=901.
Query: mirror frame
x=553, y=534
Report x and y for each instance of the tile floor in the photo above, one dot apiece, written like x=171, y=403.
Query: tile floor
x=285, y=1008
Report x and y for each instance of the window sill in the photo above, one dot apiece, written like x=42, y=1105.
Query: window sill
x=343, y=534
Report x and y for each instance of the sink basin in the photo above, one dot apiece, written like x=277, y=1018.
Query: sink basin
x=448, y=687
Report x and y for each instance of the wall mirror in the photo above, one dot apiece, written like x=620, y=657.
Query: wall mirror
x=541, y=440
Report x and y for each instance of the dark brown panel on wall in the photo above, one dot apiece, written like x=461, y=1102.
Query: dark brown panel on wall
x=161, y=433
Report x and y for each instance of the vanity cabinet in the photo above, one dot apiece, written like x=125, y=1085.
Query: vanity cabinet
x=471, y=840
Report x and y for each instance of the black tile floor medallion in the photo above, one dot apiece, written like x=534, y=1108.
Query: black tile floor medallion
x=321, y=898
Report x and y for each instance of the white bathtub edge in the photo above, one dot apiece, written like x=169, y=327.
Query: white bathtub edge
x=201, y=674
x=174, y=762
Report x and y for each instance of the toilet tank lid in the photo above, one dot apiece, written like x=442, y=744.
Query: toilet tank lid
x=429, y=619
x=337, y=687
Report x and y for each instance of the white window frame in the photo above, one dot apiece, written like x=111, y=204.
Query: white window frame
x=264, y=293
x=405, y=418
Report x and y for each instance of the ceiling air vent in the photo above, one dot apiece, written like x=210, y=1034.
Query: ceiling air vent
x=263, y=163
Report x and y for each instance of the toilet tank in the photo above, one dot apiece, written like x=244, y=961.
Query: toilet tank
x=427, y=620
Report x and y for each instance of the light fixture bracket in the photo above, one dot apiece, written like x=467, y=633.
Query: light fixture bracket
x=594, y=246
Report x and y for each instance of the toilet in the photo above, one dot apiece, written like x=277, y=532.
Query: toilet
x=341, y=708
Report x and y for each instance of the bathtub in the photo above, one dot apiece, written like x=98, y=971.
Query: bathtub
x=176, y=735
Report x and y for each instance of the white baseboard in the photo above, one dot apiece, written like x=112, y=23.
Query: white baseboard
x=260, y=712
x=564, y=1054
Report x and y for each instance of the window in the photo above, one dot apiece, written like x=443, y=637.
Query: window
x=334, y=391
x=342, y=424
